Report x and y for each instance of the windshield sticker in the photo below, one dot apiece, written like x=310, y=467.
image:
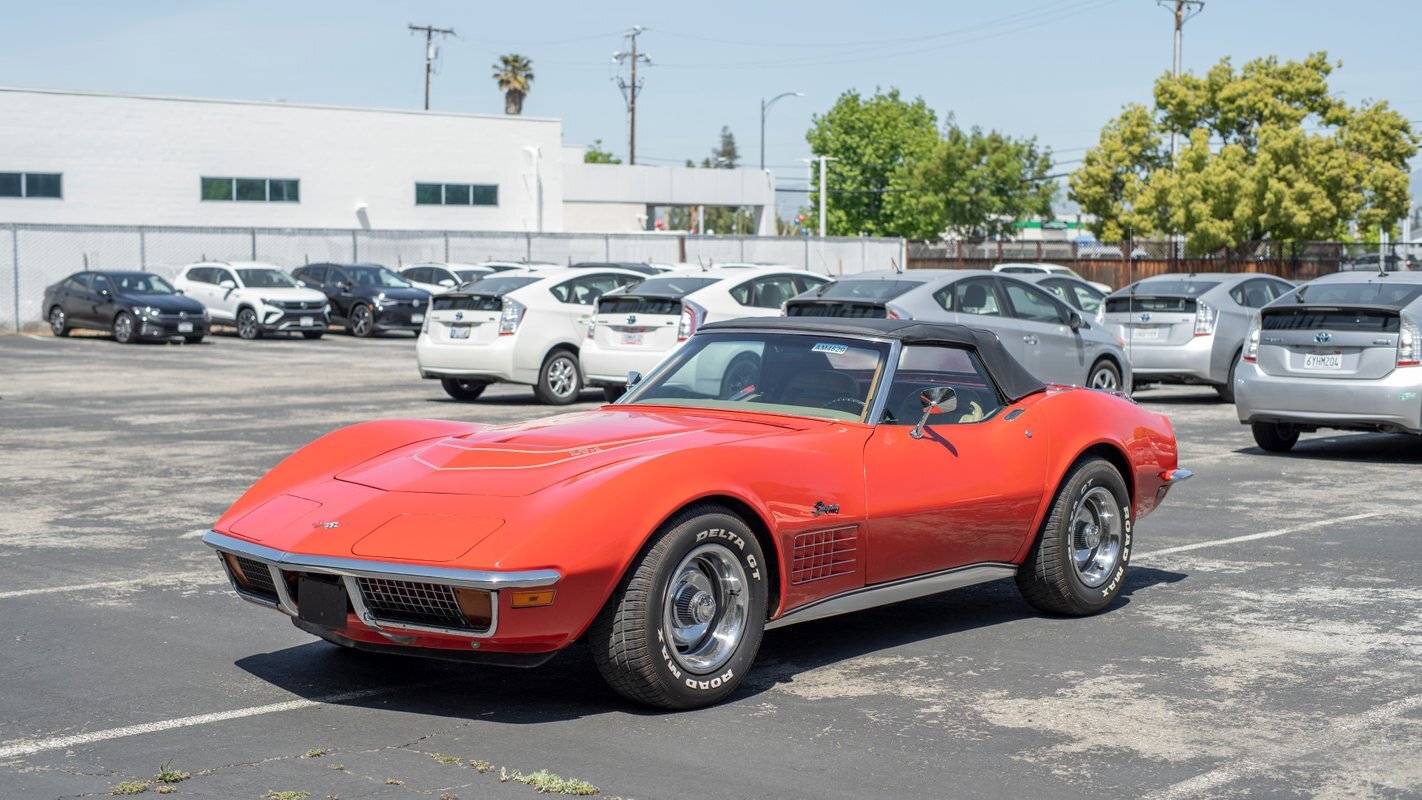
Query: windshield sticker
x=837, y=349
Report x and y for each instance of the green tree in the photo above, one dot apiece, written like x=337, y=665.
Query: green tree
x=874, y=141
x=595, y=154
x=514, y=74
x=1266, y=153
x=973, y=184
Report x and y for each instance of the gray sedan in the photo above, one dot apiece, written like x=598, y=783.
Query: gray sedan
x=1049, y=338
x=1189, y=328
x=1341, y=351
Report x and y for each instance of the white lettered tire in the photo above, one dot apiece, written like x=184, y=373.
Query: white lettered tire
x=684, y=625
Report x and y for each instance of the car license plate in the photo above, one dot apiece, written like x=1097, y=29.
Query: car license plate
x=321, y=602
x=185, y=327
x=307, y=322
x=1323, y=361
x=1150, y=333
x=417, y=317
x=460, y=331
x=631, y=338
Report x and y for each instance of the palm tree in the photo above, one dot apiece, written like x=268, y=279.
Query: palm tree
x=515, y=75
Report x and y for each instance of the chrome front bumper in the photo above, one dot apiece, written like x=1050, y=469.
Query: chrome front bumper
x=350, y=570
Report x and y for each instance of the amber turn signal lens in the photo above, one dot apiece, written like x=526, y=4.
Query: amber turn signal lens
x=236, y=570
x=540, y=597
x=477, y=606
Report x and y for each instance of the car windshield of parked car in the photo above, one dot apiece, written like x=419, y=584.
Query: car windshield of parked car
x=809, y=375
x=377, y=277
x=679, y=286
x=1396, y=295
x=141, y=283
x=870, y=290
x=266, y=279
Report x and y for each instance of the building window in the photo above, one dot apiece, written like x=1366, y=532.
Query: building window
x=456, y=194
x=252, y=190
x=31, y=184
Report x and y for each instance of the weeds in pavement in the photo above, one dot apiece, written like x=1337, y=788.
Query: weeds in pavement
x=166, y=774
x=273, y=794
x=130, y=787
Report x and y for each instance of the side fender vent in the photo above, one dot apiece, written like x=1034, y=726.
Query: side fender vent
x=825, y=554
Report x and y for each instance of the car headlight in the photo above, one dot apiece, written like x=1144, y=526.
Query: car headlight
x=206, y=315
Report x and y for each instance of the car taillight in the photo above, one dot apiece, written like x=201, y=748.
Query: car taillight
x=592, y=326
x=1251, y=343
x=692, y=316
x=1409, y=344
x=1204, y=319
x=894, y=312
x=511, y=317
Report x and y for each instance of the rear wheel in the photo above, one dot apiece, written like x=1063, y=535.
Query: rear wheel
x=685, y=623
x=362, y=322
x=461, y=389
x=613, y=393
x=1227, y=391
x=559, y=382
x=58, y=322
x=1078, y=562
x=1275, y=437
x=247, y=325
x=742, y=372
x=124, y=330
x=1104, y=375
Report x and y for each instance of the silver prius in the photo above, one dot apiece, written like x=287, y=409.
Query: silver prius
x=1341, y=351
x=1189, y=328
x=1048, y=337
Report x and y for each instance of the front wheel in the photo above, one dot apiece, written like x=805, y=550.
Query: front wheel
x=559, y=382
x=362, y=322
x=1275, y=437
x=461, y=389
x=684, y=625
x=247, y=325
x=58, y=322
x=124, y=331
x=1104, y=375
x=1078, y=562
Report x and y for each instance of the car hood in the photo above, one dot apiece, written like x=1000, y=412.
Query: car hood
x=166, y=303
x=522, y=459
x=393, y=293
x=290, y=294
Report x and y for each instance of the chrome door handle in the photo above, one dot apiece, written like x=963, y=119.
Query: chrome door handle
x=1030, y=339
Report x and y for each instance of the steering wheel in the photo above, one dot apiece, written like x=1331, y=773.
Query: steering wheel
x=854, y=405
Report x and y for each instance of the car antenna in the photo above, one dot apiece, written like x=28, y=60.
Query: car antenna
x=896, y=266
x=86, y=262
x=702, y=261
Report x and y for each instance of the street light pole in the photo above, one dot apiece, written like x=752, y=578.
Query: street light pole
x=764, y=108
x=823, y=160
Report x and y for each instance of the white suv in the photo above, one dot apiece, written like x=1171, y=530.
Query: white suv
x=636, y=327
x=255, y=298
x=519, y=326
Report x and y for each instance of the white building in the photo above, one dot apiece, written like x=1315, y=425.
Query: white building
x=97, y=158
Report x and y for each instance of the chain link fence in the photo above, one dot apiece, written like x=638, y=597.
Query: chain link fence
x=34, y=256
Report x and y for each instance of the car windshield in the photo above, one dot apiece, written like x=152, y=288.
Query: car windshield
x=1396, y=295
x=871, y=290
x=141, y=283
x=812, y=375
x=266, y=279
x=679, y=286
x=377, y=276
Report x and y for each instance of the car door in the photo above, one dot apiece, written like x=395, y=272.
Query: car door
x=978, y=302
x=74, y=298
x=1051, y=350
x=965, y=493
x=98, y=307
x=224, y=294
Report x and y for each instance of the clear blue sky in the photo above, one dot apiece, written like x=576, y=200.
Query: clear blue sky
x=1056, y=71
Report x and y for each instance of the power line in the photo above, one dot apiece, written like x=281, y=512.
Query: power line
x=431, y=52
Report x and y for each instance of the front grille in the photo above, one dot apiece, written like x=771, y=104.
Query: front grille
x=825, y=554
x=299, y=305
x=412, y=602
x=259, y=577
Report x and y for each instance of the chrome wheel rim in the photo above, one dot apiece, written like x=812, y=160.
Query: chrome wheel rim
x=562, y=377
x=1104, y=379
x=247, y=325
x=1096, y=536
x=123, y=328
x=56, y=320
x=705, y=607
x=362, y=321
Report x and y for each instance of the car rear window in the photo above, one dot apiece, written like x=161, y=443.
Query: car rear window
x=466, y=302
x=497, y=285
x=1395, y=295
x=869, y=290
x=636, y=304
x=1185, y=287
x=1149, y=302
x=679, y=286
x=820, y=308
x=1337, y=319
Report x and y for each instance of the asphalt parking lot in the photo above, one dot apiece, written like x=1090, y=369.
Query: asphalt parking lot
x=1268, y=642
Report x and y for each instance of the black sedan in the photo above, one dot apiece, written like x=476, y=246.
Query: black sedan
x=133, y=305
x=367, y=298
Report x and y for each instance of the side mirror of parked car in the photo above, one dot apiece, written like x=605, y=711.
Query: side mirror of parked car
x=106, y=293
x=633, y=378
x=447, y=283
x=937, y=400
x=1076, y=321
x=228, y=284
x=342, y=285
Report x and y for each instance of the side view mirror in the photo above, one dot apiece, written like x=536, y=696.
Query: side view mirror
x=228, y=284
x=342, y=285
x=447, y=283
x=1076, y=321
x=633, y=378
x=181, y=291
x=302, y=284
x=937, y=400
x=106, y=293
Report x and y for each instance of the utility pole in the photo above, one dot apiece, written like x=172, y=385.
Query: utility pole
x=1183, y=11
x=765, y=107
x=431, y=52
x=631, y=88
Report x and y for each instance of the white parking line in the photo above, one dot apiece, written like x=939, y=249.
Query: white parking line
x=28, y=748
x=157, y=580
x=1250, y=537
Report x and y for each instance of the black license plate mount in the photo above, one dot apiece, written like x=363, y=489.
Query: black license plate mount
x=321, y=602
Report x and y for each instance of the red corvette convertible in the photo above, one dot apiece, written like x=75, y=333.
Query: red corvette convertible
x=770, y=471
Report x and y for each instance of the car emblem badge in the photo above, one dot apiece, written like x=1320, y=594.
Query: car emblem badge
x=458, y=315
x=1323, y=337
x=823, y=508
x=631, y=319
x=1145, y=318
x=323, y=524
x=183, y=314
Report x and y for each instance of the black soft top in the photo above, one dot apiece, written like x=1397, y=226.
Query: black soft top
x=1014, y=379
